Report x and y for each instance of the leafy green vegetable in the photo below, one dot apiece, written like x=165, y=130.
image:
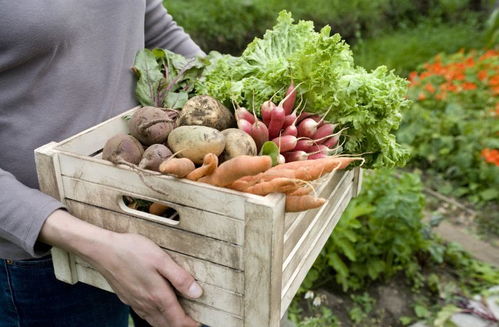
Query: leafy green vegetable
x=369, y=104
x=165, y=79
x=271, y=149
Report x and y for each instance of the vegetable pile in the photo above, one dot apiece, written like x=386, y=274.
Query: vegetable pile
x=367, y=104
x=292, y=93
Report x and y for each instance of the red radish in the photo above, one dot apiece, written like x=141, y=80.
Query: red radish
x=325, y=130
x=307, y=127
x=244, y=125
x=289, y=119
x=266, y=111
x=295, y=156
x=259, y=133
x=317, y=155
x=304, y=144
x=285, y=143
x=319, y=148
x=302, y=116
x=281, y=159
x=289, y=101
x=276, y=121
x=243, y=113
x=290, y=130
x=332, y=141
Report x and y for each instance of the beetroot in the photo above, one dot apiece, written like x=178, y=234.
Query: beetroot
x=123, y=148
x=151, y=125
x=153, y=156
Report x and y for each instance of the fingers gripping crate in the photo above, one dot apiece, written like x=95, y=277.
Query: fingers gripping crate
x=249, y=256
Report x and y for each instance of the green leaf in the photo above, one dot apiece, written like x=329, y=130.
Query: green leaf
x=271, y=149
x=175, y=100
x=149, y=76
x=444, y=315
x=421, y=311
x=338, y=264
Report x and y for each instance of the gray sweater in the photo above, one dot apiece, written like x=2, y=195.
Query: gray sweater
x=64, y=66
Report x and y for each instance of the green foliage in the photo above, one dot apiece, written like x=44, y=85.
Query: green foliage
x=379, y=234
x=227, y=25
x=407, y=47
x=363, y=305
x=312, y=312
x=453, y=124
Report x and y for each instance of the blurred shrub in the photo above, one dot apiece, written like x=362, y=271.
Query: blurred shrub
x=453, y=126
x=379, y=234
x=406, y=48
x=228, y=25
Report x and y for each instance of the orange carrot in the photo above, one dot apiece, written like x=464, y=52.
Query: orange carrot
x=295, y=203
x=157, y=208
x=178, y=167
x=210, y=163
x=237, y=167
x=277, y=185
x=303, y=190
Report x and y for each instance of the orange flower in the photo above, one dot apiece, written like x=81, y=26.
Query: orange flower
x=421, y=96
x=430, y=88
x=468, y=86
x=413, y=76
x=482, y=75
x=491, y=156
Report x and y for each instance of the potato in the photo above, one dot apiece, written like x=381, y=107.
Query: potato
x=237, y=143
x=204, y=110
x=195, y=142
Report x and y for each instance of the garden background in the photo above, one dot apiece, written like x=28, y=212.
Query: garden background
x=390, y=261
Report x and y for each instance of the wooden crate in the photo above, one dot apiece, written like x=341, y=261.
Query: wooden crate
x=248, y=255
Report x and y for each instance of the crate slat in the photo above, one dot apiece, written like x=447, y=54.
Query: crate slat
x=297, y=230
x=213, y=298
x=193, y=220
x=197, y=195
x=223, y=253
x=308, y=249
x=93, y=139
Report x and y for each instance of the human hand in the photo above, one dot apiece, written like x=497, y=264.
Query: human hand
x=141, y=274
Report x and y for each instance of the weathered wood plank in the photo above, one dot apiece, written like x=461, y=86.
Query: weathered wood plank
x=204, y=271
x=197, y=308
x=193, y=220
x=357, y=181
x=297, y=230
x=191, y=244
x=182, y=191
x=93, y=139
x=307, y=250
x=210, y=316
x=263, y=263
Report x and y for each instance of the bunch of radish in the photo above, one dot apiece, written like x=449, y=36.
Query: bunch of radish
x=299, y=136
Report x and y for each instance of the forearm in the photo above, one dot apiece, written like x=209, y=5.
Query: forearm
x=67, y=232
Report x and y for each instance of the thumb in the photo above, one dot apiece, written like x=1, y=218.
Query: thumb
x=179, y=278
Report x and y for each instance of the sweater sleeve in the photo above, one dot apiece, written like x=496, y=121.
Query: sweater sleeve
x=161, y=31
x=23, y=213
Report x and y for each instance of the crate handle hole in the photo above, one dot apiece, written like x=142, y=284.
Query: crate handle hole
x=153, y=211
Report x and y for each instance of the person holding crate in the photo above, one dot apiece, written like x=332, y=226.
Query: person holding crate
x=65, y=66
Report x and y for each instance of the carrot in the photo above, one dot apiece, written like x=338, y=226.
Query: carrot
x=295, y=203
x=237, y=167
x=210, y=163
x=157, y=208
x=178, y=167
x=303, y=190
x=276, y=185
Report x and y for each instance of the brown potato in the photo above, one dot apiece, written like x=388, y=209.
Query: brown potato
x=205, y=110
x=194, y=142
x=237, y=143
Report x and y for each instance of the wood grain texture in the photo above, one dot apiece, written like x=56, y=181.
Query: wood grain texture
x=263, y=263
x=223, y=253
x=193, y=220
x=308, y=248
